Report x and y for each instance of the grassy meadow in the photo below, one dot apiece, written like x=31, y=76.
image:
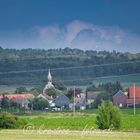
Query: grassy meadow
x=81, y=120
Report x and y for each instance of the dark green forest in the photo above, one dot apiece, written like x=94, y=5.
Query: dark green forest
x=30, y=66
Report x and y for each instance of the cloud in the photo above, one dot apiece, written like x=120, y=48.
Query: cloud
x=76, y=34
x=73, y=29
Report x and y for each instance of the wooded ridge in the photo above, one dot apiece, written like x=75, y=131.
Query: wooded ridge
x=29, y=66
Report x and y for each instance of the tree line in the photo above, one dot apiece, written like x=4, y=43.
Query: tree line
x=37, y=59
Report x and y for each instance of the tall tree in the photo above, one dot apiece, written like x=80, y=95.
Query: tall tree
x=5, y=102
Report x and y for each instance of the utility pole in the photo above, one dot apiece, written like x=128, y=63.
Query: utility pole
x=24, y=103
x=134, y=99
x=74, y=101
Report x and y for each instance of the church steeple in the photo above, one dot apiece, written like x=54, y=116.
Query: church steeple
x=49, y=76
x=49, y=84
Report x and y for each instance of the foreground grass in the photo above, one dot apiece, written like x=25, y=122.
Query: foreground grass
x=66, y=135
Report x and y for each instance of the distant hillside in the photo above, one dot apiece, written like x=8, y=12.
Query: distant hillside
x=29, y=66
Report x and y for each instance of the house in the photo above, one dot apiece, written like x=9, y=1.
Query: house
x=20, y=99
x=85, y=99
x=62, y=102
x=130, y=102
x=91, y=96
x=120, y=99
x=22, y=102
x=131, y=92
x=46, y=97
x=134, y=92
x=80, y=101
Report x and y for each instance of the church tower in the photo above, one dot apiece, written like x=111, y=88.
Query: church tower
x=49, y=84
x=49, y=76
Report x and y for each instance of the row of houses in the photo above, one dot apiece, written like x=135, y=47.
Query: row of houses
x=59, y=103
x=121, y=99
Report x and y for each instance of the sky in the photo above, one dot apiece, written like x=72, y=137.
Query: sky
x=83, y=24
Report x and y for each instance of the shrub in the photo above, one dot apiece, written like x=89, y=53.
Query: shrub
x=8, y=120
x=109, y=116
x=21, y=123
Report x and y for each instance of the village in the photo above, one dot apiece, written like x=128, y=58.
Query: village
x=61, y=102
x=69, y=70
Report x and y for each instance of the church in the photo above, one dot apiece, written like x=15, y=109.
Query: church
x=60, y=101
x=49, y=85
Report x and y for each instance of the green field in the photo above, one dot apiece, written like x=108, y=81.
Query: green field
x=67, y=135
x=125, y=80
x=82, y=119
x=12, y=88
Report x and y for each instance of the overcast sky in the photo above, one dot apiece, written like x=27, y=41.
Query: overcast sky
x=84, y=24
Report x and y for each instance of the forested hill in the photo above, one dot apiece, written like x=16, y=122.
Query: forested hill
x=29, y=66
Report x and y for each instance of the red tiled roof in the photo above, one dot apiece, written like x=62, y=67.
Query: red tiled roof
x=18, y=96
x=137, y=92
